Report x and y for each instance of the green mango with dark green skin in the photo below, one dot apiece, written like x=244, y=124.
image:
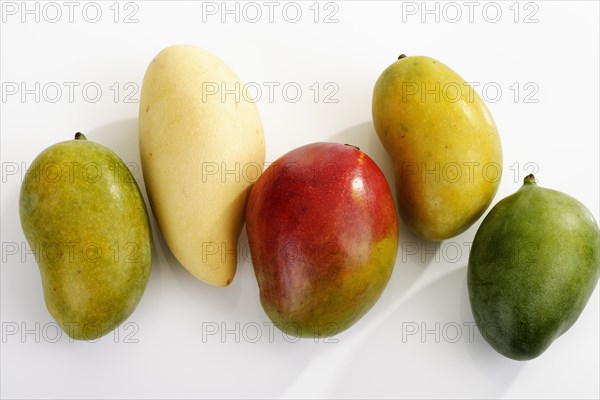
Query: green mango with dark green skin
x=533, y=266
x=85, y=220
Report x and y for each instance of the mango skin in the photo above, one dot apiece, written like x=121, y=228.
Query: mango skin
x=446, y=150
x=85, y=219
x=191, y=133
x=533, y=266
x=323, y=235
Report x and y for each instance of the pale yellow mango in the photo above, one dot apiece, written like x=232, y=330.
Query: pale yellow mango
x=202, y=146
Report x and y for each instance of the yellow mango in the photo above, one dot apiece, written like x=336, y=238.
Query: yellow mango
x=202, y=146
x=443, y=143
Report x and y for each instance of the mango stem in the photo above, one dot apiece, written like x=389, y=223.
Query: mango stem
x=80, y=136
x=529, y=179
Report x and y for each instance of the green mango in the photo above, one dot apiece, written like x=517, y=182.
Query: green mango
x=86, y=222
x=533, y=266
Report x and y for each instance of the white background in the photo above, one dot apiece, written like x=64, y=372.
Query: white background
x=163, y=351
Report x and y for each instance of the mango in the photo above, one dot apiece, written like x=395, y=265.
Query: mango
x=443, y=143
x=323, y=235
x=86, y=222
x=533, y=266
x=202, y=146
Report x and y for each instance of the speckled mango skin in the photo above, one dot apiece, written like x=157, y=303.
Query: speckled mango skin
x=533, y=266
x=323, y=235
x=89, y=230
x=443, y=143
